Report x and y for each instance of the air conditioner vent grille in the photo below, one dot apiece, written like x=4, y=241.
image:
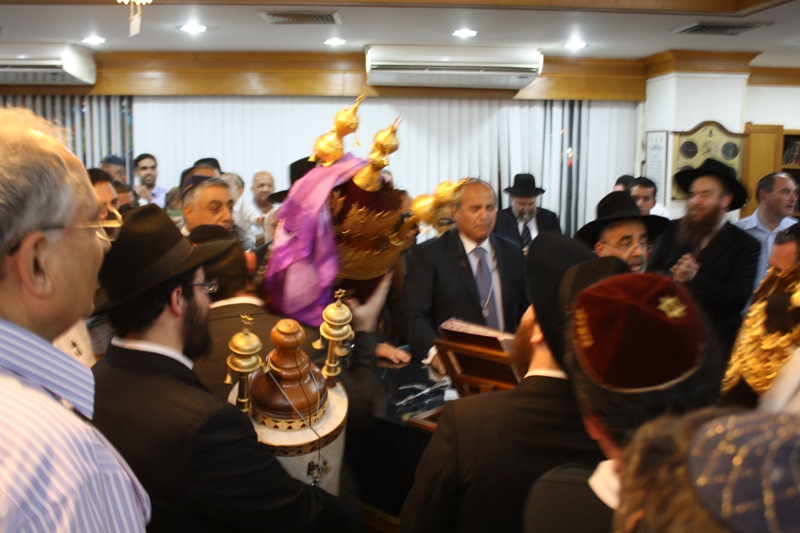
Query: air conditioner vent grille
x=710, y=28
x=283, y=18
x=454, y=68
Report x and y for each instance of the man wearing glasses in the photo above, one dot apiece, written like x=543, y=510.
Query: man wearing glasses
x=620, y=230
x=57, y=472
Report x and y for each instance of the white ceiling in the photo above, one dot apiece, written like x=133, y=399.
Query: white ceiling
x=240, y=28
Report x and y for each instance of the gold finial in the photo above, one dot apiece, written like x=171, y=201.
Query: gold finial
x=339, y=295
x=329, y=148
x=369, y=177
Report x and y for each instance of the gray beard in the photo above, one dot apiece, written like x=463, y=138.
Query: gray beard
x=524, y=219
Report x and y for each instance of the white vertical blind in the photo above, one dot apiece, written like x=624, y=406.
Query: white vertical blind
x=440, y=139
x=98, y=125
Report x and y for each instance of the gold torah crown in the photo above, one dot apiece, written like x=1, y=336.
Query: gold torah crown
x=329, y=147
x=758, y=355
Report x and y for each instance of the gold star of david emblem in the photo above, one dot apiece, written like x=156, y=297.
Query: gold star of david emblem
x=672, y=306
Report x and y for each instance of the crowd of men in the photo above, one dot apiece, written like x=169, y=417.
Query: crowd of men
x=623, y=333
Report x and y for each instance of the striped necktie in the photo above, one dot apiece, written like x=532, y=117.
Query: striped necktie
x=526, y=235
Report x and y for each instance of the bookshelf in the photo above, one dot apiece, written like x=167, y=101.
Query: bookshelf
x=791, y=152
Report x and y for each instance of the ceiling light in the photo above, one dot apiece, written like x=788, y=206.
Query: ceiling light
x=22, y=56
x=94, y=39
x=193, y=28
x=335, y=41
x=575, y=44
x=464, y=33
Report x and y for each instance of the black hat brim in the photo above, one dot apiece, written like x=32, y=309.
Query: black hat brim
x=684, y=179
x=589, y=234
x=200, y=254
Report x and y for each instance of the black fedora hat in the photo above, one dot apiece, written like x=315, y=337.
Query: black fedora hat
x=614, y=206
x=549, y=257
x=150, y=249
x=297, y=170
x=712, y=167
x=524, y=186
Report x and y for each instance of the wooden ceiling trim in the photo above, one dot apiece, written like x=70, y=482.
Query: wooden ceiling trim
x=697, y=61
x=701, y=7
x=774, y=76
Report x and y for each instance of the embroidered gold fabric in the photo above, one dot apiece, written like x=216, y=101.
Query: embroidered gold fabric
x=744, y=469
x=757, y=355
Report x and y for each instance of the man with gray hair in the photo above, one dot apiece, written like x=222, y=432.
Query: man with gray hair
x=206, y=201
x=57, y=472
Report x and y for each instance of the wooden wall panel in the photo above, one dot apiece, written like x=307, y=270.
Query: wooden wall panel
x=763, y=149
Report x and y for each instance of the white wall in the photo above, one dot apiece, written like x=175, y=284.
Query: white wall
x=680, y=101
x=773, y=105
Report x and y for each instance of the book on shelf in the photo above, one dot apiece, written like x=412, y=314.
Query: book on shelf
x=791, y=156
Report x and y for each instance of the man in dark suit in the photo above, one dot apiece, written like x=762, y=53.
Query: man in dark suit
x=522, y=221
x=466, y=273
x=198, y=457
x=490, y=448
x=714, y=259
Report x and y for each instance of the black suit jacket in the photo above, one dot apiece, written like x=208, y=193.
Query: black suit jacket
x=198, y=457
x=724, y=281
x=439, y=285
x=508, y=227
x=488, y=450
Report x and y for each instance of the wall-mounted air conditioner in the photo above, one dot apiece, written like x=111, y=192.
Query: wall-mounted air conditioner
x=46, y=64
x=452, y=66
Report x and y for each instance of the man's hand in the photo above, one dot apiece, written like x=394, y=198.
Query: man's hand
x=685, y=269
x=391, y=354
x=365, y=316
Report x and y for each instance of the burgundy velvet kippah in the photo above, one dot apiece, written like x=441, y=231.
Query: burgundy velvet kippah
x=637, y=332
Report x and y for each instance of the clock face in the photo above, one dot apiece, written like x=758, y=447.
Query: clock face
x=730, y=150
x=688, y=149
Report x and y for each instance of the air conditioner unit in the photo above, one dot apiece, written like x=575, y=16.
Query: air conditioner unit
x=451, y=66
x=46, y=64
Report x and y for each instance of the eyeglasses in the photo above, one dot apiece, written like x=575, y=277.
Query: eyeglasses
x=107, y=230
x=627, y=248
x=209, y=286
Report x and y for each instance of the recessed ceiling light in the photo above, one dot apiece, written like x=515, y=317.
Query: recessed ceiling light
x=575, y=44
x=22, y=56
x=193, y=28
x=335, y=41
x=464, y=33
x=94, y=39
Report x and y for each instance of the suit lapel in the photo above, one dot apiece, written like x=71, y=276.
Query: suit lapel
x=505, y=272
x=718, y=245
x=460, y=264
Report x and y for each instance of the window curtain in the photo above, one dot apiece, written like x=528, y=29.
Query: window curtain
x=576, y=149
x=98, y=125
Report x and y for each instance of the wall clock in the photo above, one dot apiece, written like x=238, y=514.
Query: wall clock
x=706, y=140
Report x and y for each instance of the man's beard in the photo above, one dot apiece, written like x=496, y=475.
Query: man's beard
x=692, y=232
x=196, y=336
x=524, y=218
x=522, y=351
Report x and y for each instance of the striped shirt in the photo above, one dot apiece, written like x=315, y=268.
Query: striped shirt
x=57, y=472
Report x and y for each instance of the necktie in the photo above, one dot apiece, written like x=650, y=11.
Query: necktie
x=526, y=235
x=483, y=278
